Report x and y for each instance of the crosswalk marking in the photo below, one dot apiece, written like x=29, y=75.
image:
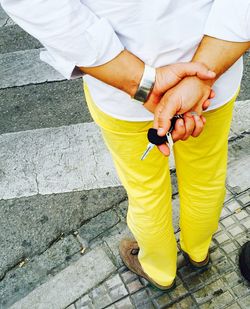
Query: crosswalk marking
x=65, y=159
x=31, y=70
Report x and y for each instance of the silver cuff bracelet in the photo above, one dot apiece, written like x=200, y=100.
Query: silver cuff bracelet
x=146, y=84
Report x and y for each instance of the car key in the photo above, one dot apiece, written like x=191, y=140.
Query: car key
x=155, y=139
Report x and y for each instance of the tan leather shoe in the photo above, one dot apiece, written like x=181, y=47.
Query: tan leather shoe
x=129, y=250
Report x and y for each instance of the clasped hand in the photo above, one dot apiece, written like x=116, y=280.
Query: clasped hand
x=182, y=88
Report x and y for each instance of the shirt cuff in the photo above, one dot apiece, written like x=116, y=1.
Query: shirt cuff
x=229, y=20
x=99, y=46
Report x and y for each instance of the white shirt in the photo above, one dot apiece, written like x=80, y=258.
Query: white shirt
x=92, y=32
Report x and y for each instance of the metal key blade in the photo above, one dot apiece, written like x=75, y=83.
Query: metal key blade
x=146, y=152
x=170, y=141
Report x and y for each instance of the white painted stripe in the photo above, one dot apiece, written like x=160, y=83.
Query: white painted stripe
x=54, y=160
x=65, y=159
x=25, y=67
x=71, y=283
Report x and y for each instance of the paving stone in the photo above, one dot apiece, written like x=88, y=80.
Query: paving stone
x=232, y=279
x=29, y=225
x=228, y=196
x=227, y=222
x=217, y=255
x=98, y=225
x=229, y=248
x=243, y=239
x=31, y=70
x=152, y=292
x=131, y=281
x=178, y=292
x=100, y=297
x=221, y=238
x=94, y=267
x=244, y=198
x=186, y=303
x=134, y=286
x=141, y=300
x=246, y=223
x=203, y=276
x=187, y=271
x=128, y=276
x=13, y=38
x=209, y=291
x=122, y=304
x=224, y=213
x=241, y=215
x=241, y=290
x=235, y=230
x=234, y=257
x=116, y=288
x=245, y=302
x=42, y=106
x=232, y=206
x=223, y=266
x=84, y=302
x=219, y=301
x=162, y=301
x=234, y=306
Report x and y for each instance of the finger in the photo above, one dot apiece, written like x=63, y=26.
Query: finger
x=189, y=125
x=212, y=94
x=199, y=125
x=204, y=120
x=206, y=105
x=193, y=69
x=179, y=130
x=163, y=115
x=164, y=149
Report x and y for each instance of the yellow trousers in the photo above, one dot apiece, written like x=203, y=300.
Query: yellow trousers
x=201, y=171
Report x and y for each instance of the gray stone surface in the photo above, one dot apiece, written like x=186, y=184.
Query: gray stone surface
x=13, y=38
x=55, y=160
x=19, y=281
x=245, y=85
x=241, y=117
x=29, y=225
x=3, y=17
x=239, y=161
x=25, y=67
x=99, y=224
x=70, y=283
x=42, y=106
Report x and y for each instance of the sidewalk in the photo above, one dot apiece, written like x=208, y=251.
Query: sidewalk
x=61, y=218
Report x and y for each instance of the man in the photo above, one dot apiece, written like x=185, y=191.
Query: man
x=118, y=45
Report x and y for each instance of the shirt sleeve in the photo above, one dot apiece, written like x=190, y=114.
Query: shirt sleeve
x=70, y=32
x=229, y=20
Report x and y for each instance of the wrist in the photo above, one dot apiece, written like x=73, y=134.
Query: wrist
x=146, y=84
